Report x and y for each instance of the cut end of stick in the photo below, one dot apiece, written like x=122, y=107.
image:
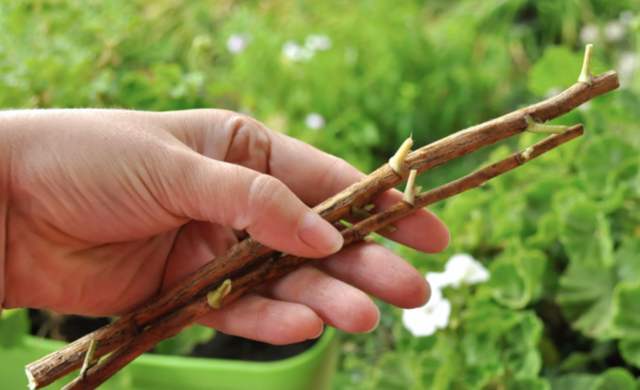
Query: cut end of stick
x=410, y=191
x=539, y=128
x=586, y=76
x=215, y=298
x=33, y=385
x=397, y=161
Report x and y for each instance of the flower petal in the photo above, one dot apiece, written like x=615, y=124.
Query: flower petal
x=462, y=268
x=439, y=280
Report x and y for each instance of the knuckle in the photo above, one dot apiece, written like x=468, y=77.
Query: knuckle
x=332, y=177
x=265, y=192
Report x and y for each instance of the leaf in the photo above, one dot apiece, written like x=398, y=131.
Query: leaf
x=585, y=234
x=576, y=382
x=506, y=217
x=601, y=156
x=516, y=276
x=585, y=296
x=14, y=324
x=628, y=260
x=530, y=384
x=617, y=379
x=394, y=371
x=490, y=318
x=546, y=232
x=630, y=351
x=522, y=356
x=440, y=365
x=185, y=341
x=626, y=302
x=508, y=285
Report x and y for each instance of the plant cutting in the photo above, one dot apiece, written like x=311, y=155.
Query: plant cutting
x=249, y=264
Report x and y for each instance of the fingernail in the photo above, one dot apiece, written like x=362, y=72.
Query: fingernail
x=377, y=322
x=319, y=334
x=319, y=234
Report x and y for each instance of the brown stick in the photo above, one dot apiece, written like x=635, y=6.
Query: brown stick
x=70, y=358
x=275, y=268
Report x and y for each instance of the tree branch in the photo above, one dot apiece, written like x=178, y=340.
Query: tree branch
x=249, y=252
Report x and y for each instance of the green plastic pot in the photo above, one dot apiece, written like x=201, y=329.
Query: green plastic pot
x=311, y=370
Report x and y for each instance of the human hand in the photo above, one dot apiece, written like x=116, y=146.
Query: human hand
x=106, y=208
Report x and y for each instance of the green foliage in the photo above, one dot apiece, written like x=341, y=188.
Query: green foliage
x=560, y=235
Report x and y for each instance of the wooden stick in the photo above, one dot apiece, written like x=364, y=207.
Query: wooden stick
x=197, y=285
x=277, y=267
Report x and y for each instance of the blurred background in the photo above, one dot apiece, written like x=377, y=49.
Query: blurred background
x=560, y=237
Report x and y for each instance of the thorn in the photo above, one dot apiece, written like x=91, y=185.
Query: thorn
x=409, y=192
x=538, y=128
x=214, y=298
x=397, y=161
x=586, y=76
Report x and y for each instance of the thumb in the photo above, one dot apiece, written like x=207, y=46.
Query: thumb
x=209, y=190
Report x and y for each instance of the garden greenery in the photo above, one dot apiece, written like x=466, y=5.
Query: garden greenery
x=560, y=236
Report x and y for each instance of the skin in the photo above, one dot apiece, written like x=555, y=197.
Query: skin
x=100, y=210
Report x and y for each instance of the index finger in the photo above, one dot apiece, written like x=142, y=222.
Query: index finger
x=311, y=174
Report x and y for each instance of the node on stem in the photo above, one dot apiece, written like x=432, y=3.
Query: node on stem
x=409, y=192
x=586, y=76
x=526, y=153
x=397, y=161
x=539, y=128
x=214, y=298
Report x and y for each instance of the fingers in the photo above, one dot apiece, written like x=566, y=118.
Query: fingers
x=377, y=271
x=312, y=175
x=267, y=320
x=335, y=302
x=200, y=188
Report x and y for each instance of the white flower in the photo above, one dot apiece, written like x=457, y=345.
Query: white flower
x=464, y=269
x=589, y=33
x=318, y=42
x=295, y=52
x=237, y=43
x=425, y=320
x=439, y=280
x=314, y=121
x=614, y=31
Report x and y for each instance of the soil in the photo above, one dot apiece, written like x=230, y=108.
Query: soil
x=221, y=346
